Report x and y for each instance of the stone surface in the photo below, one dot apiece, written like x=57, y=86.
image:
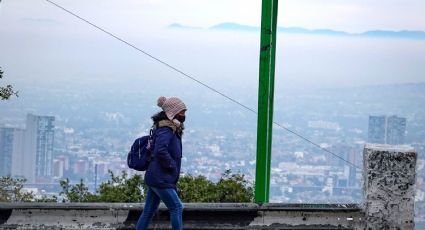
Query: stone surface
x=196, y=216
x=389, y=186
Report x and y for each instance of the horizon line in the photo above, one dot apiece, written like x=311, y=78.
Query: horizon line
x=231, y=26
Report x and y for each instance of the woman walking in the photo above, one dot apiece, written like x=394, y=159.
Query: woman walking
x=163, y=172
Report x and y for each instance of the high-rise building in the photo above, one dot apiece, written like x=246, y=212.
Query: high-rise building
x=81, y=167
x=345, y=153
x=396, y=130
x=11, y=151
x=387, y=130
x=6, y=149
x=377, y=129
x=39, y=138
x=18, y=153
x=58, y=168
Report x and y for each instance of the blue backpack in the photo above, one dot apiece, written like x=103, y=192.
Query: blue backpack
x=140, y=153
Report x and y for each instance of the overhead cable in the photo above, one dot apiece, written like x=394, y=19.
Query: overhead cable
x=196, y=80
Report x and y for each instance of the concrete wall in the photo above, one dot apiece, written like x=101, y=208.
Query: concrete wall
x=196, y=216
x=389, y=186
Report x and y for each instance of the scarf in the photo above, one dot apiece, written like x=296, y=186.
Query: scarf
x=176, y=127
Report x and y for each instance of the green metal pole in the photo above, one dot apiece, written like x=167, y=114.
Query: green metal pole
x=265, y=100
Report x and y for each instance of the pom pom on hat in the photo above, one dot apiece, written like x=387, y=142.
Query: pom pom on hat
x=161, y=101
x=171, y=106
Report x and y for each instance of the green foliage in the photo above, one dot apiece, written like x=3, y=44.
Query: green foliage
x=11, y=190
x=230, y=188
x=76, y=193
x=117, y=189
x=46, y=199
x=234, y=188
x=196, y=189
x=122, y=189
x=6, y=92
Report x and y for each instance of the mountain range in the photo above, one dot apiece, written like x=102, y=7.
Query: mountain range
x=229, y=26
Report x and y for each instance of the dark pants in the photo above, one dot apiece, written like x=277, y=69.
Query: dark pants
x=171, y=200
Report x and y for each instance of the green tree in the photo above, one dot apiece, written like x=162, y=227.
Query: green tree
x=11, y=190
x=117, y=189
x=234, y=188
x=6, y=92
x=230, y=188
x=196, y=189
x=76, y=193
x=122, y=189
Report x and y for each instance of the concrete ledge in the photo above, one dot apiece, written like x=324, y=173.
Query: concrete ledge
x=187, y=206
x=196, y=216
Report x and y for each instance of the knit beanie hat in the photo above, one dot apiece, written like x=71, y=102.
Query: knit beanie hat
x=171, y=106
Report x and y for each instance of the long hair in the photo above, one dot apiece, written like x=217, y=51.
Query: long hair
x=157, y=117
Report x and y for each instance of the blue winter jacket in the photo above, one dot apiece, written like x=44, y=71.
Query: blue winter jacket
x=164, y=169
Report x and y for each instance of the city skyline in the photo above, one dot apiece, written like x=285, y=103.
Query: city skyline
x=86, y=136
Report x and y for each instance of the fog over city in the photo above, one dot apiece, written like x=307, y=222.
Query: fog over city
x=37, y=34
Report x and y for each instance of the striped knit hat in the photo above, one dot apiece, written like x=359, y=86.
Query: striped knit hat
x=171, y=106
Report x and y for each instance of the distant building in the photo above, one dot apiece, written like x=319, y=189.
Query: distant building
x=6, y=148
x=28, y=153
x=377, y=129
x=65, y=160
x=354, y=157
x=102, y=168
x=11, y=151
x=39, y=138
x=18, y=152
x=387, y=130
x=81, y=167
x=58, y=168
x=396, y=130
x=345, y=153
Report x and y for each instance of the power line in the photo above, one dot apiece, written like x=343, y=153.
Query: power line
x=194, y=79
x=150, y=55
x=315, y=144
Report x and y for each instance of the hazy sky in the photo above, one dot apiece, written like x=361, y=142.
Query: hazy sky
x=39, y=42
x=347, y=15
